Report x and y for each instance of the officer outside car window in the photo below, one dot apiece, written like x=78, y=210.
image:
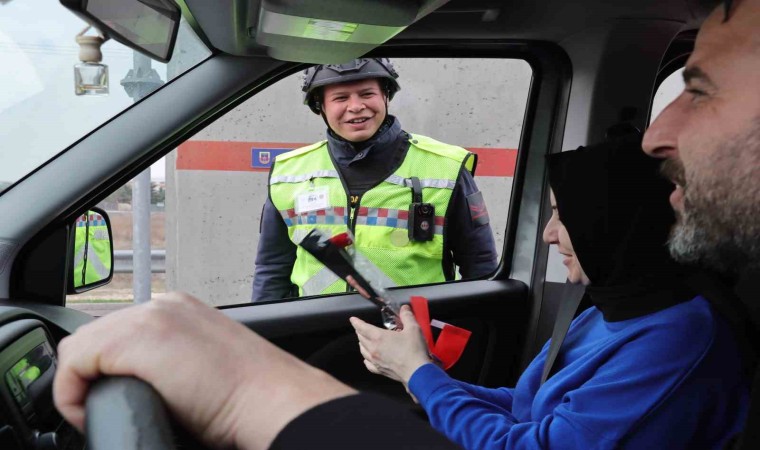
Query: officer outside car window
x=92, y=250
x=411, y=201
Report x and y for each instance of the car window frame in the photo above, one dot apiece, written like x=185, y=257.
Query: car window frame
x=540, y=135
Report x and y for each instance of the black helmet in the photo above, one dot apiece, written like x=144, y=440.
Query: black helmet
x=358, y=69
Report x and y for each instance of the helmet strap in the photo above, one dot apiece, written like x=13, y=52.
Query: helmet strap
x=324, y=119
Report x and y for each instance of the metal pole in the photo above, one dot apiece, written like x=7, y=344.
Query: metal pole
x=141, y=237
x=138, y=83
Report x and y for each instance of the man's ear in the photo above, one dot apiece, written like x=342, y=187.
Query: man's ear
x=385, y=88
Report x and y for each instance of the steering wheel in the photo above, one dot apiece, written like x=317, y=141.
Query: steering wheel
x=126, y=413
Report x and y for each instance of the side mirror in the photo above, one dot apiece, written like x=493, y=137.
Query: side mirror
x=91, y=252
x=148, y=26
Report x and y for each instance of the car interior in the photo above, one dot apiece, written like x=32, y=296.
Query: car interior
x=595, y=64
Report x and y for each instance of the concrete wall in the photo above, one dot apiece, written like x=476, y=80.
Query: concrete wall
x=213, y=216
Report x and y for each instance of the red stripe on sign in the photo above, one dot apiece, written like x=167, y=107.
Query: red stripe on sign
x=236, y=156
x=223, y=155
x=495, y=162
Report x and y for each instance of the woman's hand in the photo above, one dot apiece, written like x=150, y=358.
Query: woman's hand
x=395, y=354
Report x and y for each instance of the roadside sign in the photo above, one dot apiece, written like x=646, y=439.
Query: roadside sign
x=262, y=158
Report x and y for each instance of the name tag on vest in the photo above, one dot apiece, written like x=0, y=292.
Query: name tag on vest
x=313, y=200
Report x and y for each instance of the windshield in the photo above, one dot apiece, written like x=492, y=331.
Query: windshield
x=40, y=115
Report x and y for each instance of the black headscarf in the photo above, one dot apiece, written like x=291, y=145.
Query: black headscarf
x=614, y=204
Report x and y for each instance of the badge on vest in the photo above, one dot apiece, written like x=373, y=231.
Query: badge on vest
x=313, y=200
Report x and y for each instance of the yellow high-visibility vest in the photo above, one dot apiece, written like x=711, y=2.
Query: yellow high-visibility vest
x=379, y=222
x=97, y=265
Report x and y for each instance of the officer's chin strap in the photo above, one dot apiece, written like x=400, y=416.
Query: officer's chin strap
x=571, y=299
x=324, y=118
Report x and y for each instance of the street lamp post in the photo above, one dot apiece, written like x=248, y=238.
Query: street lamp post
x=139, y=82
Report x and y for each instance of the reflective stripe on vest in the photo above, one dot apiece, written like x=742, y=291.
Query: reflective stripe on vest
x=424, y=182
x=319, y=282
x=330, y=216
x=93, y=260
x=380, y=222
x=394, y=218
x=304, y=177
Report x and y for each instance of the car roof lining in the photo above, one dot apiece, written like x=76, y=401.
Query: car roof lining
x=229, y=29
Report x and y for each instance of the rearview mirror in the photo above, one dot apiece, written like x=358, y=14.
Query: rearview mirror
x=92, y=258
x=148, y=26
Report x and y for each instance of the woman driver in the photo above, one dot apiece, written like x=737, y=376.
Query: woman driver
x=650, y=365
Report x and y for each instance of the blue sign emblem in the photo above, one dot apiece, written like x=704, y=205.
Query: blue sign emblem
x=262, y=158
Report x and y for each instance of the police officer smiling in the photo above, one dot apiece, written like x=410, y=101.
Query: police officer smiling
x=411, y=201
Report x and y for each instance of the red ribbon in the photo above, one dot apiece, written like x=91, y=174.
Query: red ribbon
x=452, y=340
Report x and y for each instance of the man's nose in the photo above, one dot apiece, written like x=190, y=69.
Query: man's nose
x=355, y=103
x=661, y=138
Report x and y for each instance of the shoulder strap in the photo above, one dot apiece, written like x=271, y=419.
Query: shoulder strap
x=439, y=148
x=300, y=151
x=572, y=297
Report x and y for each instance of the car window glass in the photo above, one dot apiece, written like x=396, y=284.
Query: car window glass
x=668, y=90
x=206, y=211
x=40, y=115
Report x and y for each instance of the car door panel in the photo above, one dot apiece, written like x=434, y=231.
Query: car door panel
x=317, y=329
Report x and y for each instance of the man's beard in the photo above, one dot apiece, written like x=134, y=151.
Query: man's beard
x=720, y=222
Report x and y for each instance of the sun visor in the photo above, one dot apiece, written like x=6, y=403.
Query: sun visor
x=330, y=31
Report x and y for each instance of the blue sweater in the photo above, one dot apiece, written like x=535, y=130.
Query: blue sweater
x=672, y=379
